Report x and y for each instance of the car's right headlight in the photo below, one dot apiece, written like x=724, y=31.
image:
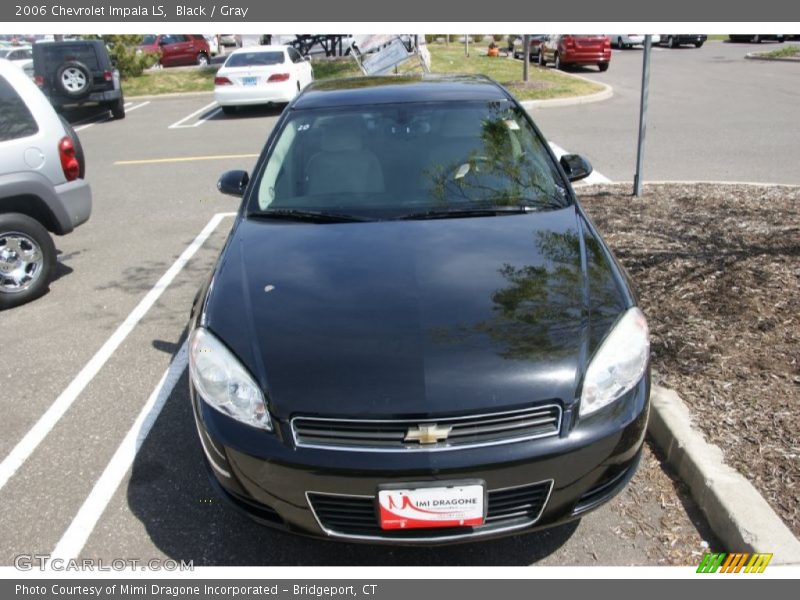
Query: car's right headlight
x=618, y=364
x=223, y=383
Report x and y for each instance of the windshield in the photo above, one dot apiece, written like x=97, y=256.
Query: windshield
x=148, y=40
x=4, y=52
x=255, y=59
x=392, y=161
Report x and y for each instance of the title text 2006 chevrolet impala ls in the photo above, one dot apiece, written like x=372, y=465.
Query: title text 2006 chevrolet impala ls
x=414, y=334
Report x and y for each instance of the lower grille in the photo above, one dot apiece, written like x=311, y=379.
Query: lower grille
x=356, y=516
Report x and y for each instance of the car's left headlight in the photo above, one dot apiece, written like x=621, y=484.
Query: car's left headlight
x=618, y=364
x=223, y=383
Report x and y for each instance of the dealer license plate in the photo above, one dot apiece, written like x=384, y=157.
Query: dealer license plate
x=456, y=505
x=248, y=81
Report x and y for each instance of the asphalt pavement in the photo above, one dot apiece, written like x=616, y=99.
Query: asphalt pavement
x=713, y=116
x=82, y=362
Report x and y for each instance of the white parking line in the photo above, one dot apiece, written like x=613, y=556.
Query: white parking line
x=180, y=124
x=208, y=117
x=104, y=118
x=595, y=177
x=28, y=444
x=78, y=532
x=137, y=107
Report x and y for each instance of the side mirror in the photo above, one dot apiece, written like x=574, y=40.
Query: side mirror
x=233, y=183
x=575, y=166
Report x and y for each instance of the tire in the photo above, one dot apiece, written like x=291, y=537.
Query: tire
x=76, y=142
x=229, y=110
x=74, y=79
x=118, y=108
x=603, y=67
x=620, y=45
x=756, y=39
x=698, y=44
x=542, y=61
x=672, y=42
x=558, y=65
x=202, y=59
x=22, y=281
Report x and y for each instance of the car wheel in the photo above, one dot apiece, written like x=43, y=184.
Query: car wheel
x=202, y=60
x=27, y=259
x=542, y=62
x=229, y=110
x=603, y=66
x=559, y=66
x=698, y=44
x=74, y=80
x=118, y=108
x=672, y=42
x=619, y=43
x=756, y=39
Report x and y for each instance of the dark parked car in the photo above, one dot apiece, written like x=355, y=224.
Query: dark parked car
x=757, y=38
x=178, y=49
x=78, y=72
x=576, y=50
x=673, y=40
x=414, y=333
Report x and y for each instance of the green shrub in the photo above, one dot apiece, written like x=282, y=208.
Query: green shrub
x=478, y=38
x=125, y=54
x=498, y=37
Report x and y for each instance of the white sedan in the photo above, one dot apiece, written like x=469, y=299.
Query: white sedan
x=261, y=75
x=628, y=40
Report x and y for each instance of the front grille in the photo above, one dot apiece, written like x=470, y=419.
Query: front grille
x=356, y=516
x=391, y=435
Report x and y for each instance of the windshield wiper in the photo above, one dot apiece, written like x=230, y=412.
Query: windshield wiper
x=308, y=216
x=472, y=211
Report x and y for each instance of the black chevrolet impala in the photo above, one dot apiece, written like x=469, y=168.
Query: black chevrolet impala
x=414, y=334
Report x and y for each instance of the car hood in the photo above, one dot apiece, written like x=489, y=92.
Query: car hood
x=415, y=318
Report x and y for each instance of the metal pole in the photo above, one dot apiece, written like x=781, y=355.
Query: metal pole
x=466, y=45
x=526, y=49
x=637, y=179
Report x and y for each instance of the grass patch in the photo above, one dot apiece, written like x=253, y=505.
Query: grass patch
x=717, y=37
x=783, y=52
x=543, y=83
x=168, y=81
x=333, y=68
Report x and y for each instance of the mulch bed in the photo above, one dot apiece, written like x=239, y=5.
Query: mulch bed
x=717, y=271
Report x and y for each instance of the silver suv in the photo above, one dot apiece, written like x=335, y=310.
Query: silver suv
x=42, y=186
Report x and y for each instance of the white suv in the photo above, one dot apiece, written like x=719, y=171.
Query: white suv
x=42, y=189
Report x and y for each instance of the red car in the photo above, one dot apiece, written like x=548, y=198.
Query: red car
x=178, y=49
x=569, y=50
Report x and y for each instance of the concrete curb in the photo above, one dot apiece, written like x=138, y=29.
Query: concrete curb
x=736, y=512
x=760, y=56
x=169, y=95
x=606, y=93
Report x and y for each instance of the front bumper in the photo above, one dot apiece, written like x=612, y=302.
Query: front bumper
x=559, y=478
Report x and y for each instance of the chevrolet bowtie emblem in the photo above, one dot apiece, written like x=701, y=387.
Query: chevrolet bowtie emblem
x=427, y=434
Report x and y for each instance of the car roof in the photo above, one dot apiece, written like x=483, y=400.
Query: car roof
x=390, y=89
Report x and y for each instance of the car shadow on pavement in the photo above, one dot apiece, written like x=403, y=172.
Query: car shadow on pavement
x=250, y=112
x=169, y=492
